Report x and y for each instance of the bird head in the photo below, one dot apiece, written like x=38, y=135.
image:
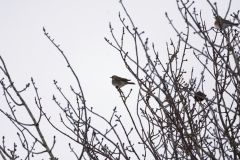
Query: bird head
x=113, y=76
x=218, y=17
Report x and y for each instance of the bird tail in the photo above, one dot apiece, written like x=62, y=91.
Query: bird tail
x=236, y=24
x=130, y=83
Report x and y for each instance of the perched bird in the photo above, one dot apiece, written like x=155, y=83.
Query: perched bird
x=199, y=96
x=221, y=23
x=119, y=82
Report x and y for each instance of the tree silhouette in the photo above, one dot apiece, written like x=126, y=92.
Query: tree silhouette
x=174, y=118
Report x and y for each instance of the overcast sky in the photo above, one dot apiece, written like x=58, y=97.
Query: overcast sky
x=79, y=27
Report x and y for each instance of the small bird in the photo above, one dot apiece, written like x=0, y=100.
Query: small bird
x=221, y=23
x=199, y=96
x=119, y=82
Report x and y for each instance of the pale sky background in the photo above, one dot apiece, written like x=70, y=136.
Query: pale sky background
x=79, y=27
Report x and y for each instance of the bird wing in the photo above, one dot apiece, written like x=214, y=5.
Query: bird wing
x=123, y=79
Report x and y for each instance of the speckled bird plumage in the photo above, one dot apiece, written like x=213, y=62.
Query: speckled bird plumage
x=199, y=96
x=119, y=82
x=221, y=23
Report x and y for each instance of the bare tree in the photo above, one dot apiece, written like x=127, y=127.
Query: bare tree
x=175, y=118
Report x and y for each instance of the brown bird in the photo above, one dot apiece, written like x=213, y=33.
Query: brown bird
x=119, y=82
x=199, y=96
x=221, y=23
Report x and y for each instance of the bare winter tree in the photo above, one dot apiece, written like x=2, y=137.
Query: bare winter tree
x=175, y=118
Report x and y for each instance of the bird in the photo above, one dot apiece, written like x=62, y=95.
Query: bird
x=199, y=96
x=119, y=82
x=221, y=23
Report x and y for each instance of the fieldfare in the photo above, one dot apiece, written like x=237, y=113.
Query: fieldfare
x=221, y=23
x=119, y=82
x=199, y=96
